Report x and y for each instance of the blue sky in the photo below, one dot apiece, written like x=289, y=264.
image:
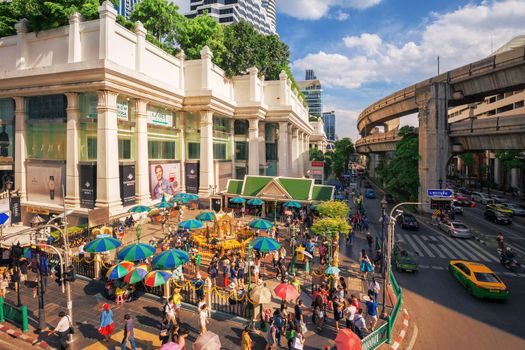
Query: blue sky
x=363, y=50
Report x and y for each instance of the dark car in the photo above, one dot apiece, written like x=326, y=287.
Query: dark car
x=497, y=217
x=408, y=221
x=368, y=185
x=370, y=194
x=464, y=190
x=389, y=198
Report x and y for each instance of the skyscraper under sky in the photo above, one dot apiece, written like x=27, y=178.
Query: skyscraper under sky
x=329, y=125
x=260, y=13
x=313, y=93
x=125, y=7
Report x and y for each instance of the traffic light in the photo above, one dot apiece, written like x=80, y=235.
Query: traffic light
x=442, y=204
x=70, y=274
x=58, y=275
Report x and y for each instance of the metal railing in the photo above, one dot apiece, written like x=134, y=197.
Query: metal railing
x=14, y=314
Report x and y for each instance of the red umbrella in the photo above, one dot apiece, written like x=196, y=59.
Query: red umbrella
x=347, y=340
x=286, y=291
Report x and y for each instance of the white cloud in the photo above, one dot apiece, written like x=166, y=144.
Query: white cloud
x=458, y=37
x=316, y=9
x=340, y=15
x=184, y=5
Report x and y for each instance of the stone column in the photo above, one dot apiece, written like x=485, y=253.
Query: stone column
x=497, y=171
x=20, y=146
x=301, y=154
x=206, y=153
x=140, y=32
x=72, y=153
x=21, y=43
x=262, y=145
x=182, y=153
x=141, y=150
x=232, y=147
x=514, y=177
x=253, y=140
x=292, y=162
x=433, y=138
x=295, y=152
x=206, y=66
x=107, y=15
x=74, y=45
x=283, y=149
x=108, y=179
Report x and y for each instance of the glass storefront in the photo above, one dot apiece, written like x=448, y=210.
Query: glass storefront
x=46, y=127
x=271, y=149
x=222, y=134
x=126, y=128
x=88, y=126
x=163, y=141
x=192, y=135
x=7, y=138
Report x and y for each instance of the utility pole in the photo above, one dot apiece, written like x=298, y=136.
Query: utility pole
x=67, y=262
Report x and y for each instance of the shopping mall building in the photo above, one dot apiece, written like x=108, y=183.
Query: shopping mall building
x=99, y=111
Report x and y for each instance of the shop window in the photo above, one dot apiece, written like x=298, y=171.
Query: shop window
x=7, y=114
x=240, y=172
x=271, y=151
x=241, y=150
x=519, y=104
x=88, y=105
x=46, y=107
x=241, y=127
x=219, y=151
x=161, y=149
x=124, y=149
x=88, y=141
x=194, y=150
x=221, y=127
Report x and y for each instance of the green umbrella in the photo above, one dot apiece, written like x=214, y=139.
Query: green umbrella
x=292, y=204
x=102, y=243
x=137, y=274
x=139, y=209
x=237, y=200
x=170, y=259
x=119, y=270
x=206, y=216
x=157, y=278
x=261, y=224
x=136, y=252
x=190, y=224
x=331, y=270
x=265, y=244
x=255, y=201
x=192, y=196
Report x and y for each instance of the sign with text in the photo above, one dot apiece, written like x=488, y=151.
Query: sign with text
x=16, y=210
x=440, y=193
x=317, y=172
x=160, y=116
x=122, y=110
x=192, y=178
x=127, y=184
x=88, y=185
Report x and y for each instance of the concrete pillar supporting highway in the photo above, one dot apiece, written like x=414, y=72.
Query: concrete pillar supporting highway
x=514, y=177
x=497, y=171
x=433, y=138
x=372, y=164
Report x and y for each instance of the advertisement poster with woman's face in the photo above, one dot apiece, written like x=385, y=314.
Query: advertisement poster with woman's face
x=164, y=179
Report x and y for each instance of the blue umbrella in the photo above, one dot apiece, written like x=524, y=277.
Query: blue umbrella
x=190, y=224
x=331, y=270
x=255, y=201
x=292, y=204
x=192, y=196
x=261, y=224
x=164, y=204
x=136, y=252
x=265, y=244
x=102, y=244
x=139, y=209
x=180, y=197
x=170, y=259
x=206, y=216
x=237, y=200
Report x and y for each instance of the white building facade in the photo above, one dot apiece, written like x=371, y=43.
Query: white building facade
x=96, y=110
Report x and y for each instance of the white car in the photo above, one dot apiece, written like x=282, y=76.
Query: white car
x=456, y=207
x=481, y=197
x=516, y=209
x=455, y=229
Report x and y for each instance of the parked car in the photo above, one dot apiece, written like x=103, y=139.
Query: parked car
x=500, y=208
x=408, y=221
x=455, y=229
x=458, y=210
x=478, y=280
x=404, y=258
x=370, y=194
x=517, y=210
x=480, y=197
x=497, y=199
x=497, y=217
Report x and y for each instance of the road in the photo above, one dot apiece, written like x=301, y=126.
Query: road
x=446, y=316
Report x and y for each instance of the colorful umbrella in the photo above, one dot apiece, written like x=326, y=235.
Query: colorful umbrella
x=192, y=196
x=261, y=224
x=265, y=244
x=255, y=201
x=206, y=216
x=170, y=259
x=347, y=340
x=119, y=270
x=237, y=200
x=139, y=209
x=261, y=295
x=292, y=204
x=102, y=243
x=157, y=278
x=164, y=205
x=331, y=270
x=207, y=341
x=286, y=291
x=136, y=252
x=190, y=224
x=179, y=196
x=137, y=274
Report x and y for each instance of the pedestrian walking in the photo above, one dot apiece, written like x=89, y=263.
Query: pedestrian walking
x=371, y=310
x=270, y=336
x=129, y=334
x=169, y=312
x=63, y=329
x=501, y=241
x=182, y=339
x=365, y=264
x=360, y=324
x=203, y=318
x=246, y=341
x=298, y=343
x=106, y=326
x=290, y=330
x=177, y=303
x=349, y=314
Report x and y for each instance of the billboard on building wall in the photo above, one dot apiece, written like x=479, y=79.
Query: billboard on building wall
x=16, y=212
x=44, y=182
x=192, y=177
x=127, y=184
x=88, y=185
x=164, y=179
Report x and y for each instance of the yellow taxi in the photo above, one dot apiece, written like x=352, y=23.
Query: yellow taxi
x=478, y=280
x=501, y=208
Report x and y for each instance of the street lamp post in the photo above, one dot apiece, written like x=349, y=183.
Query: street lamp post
x=383, y=262
x=9, y=186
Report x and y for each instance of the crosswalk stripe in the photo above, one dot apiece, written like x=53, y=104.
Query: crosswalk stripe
x=435, y=248
x=470, y=248
x=522, y=252
x=479, y=250
x=408, y=239
x=423, y=245
x=459, y=255
x=468, y=252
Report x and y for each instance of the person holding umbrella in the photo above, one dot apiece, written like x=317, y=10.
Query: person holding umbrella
x=106, y=326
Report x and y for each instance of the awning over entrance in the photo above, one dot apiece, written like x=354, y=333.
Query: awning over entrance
x=279, y=189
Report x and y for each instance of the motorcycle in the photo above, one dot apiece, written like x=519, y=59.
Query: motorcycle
x=507, y=259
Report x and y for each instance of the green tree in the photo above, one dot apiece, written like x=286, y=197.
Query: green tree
x=316, y=154
x=511, y=159
x=7, y=19
x=328, y=163
x=330, y=227
x=401, y=175
x=344, y=149
x=193, y=34
x=159, y=17
x=333, y=209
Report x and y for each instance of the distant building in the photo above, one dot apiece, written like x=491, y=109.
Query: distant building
x=329, y=125
x=313, y=93
x=125, y=7
x=260, y=13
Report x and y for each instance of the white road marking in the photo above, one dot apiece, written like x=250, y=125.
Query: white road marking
x=422, y=244
x=466, y=249
x=452, y=248
x=413, y=339
x=435, y=248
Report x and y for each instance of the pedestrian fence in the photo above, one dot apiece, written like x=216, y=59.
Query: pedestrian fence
x=384, y=333
x=14, y=314
x=84, y=267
